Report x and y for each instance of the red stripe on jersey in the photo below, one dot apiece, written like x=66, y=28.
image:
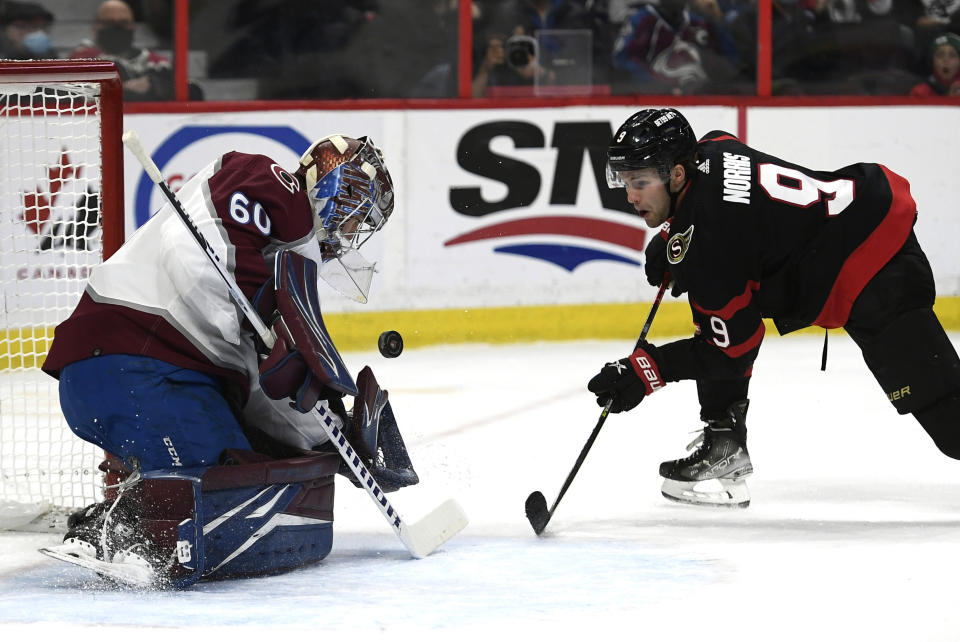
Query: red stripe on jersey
x=736, y=304
x=713, y=140
x=865, y=261
x=743, y=348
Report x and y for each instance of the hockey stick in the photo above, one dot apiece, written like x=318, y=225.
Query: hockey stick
x=536, y=504
x=132, y=141
x=421, y=538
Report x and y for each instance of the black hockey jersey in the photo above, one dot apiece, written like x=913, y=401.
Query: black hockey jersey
x=755, y=237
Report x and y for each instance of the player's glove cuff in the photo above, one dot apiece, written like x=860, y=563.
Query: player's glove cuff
x=646, y=368
x=624, y=383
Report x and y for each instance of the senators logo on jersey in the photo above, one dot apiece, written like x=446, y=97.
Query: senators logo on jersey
x=678, y=245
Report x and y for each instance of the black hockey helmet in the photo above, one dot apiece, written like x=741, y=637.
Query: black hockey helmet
x=657, y=138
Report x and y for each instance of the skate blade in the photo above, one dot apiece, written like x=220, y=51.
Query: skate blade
x=730, y=494
x=130, y=574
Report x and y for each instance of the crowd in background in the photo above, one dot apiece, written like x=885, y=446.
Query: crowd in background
x=388, y=49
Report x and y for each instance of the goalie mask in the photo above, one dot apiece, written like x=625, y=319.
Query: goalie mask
x=351, y=194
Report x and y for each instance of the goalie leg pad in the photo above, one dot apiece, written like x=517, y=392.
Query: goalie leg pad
x=256, y=516
x=267, y=517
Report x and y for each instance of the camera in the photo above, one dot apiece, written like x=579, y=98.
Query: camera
x=520, y=50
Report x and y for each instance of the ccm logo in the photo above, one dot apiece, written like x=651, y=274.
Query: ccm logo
x=174, y=457
x=650, y=373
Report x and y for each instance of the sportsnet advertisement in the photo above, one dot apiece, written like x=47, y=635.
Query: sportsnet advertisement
x=494, y=208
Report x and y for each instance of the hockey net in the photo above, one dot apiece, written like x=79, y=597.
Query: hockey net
x=61, y=197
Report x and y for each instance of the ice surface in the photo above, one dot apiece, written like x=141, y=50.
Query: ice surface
x=852, y=533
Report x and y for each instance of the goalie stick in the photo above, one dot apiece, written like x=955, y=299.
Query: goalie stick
x=421, y=538
x=536, y=504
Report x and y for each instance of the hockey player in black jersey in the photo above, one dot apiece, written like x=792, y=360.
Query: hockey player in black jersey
x=749, y=236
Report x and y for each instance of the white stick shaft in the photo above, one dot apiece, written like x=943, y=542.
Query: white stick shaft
x=132, y=141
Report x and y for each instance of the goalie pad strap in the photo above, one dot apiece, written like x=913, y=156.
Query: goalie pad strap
x=254, y=469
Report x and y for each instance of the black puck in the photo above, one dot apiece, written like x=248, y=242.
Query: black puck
x=390, y=344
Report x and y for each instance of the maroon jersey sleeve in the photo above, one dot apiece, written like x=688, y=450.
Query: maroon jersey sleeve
x=261, y=207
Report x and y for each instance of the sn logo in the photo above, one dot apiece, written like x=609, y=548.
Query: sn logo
x=523, y=181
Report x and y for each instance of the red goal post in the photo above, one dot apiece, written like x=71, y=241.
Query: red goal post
x=61, y=213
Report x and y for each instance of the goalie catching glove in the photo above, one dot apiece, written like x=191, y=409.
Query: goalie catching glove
x=627, y=381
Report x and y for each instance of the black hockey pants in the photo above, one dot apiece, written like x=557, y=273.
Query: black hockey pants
x=906, y=348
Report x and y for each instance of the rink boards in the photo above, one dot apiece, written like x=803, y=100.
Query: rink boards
x=504, y=229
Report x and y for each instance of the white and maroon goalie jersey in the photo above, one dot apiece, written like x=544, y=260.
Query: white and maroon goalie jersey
x=756, y=237
x=159, y=296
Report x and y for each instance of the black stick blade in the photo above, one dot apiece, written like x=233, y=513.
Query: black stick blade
x=537, y=511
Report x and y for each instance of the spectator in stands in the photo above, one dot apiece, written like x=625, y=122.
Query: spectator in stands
x=833, y=46
x=506, y=52
x=937, y=16
x=492, y=60
x=945, y=66
x=24, y=31
x=146, y=75
x=678, y=47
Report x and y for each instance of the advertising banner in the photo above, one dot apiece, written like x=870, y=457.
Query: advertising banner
x=495, y=208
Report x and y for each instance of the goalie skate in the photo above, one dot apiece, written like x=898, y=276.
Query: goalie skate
x=101, y=537
x=713, y=475
x=126, y=568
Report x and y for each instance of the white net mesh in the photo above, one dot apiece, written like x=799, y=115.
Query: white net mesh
x=49, y=239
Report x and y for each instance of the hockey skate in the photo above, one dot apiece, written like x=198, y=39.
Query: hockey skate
x=103, y=538
x=713, y=474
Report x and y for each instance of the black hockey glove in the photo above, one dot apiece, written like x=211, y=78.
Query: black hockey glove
x=627, y=381
x=656, y=264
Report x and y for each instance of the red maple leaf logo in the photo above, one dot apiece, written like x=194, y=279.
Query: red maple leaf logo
x=37, y=205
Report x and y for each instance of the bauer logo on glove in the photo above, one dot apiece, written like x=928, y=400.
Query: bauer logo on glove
x=627, y=381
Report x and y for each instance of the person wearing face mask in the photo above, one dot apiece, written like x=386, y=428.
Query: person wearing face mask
x=146, y=74
x=24, y=31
